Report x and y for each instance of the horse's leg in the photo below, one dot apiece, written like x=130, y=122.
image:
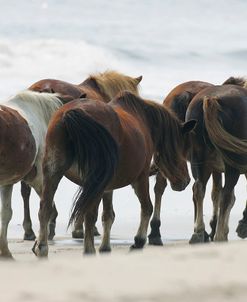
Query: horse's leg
x=154, y=237
x=201, y=175
x=90, y=219
x=226, y=203
x=242, y=224
x=141, y=187
x=108, y=217
x=216, y=196
x=6, y=215
x=78, y=232
x=27, y=222
x=52, y=222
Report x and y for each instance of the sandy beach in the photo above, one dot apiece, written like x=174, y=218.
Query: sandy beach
x=174, y=272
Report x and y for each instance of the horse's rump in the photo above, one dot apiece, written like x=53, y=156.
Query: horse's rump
x=231, y=147
x=96, y=153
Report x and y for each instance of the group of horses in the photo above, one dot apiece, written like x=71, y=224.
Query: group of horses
x=102, y=135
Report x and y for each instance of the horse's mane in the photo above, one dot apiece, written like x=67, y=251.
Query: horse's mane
x=44, y=104
x=165, y=129
x=110, y=83
x=239, y=81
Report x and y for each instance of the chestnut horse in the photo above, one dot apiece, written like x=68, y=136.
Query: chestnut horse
x=178, y=100
x=103, y=147
x=103, y=87
x=24, y=120
x=219, y=144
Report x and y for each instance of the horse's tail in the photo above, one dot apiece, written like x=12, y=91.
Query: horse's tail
x=96, y=153
x=222, y=140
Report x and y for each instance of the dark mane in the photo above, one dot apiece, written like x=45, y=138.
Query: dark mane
x=165, y=129
x=239, y=81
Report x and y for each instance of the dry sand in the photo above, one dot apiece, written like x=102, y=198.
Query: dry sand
x=175, y=272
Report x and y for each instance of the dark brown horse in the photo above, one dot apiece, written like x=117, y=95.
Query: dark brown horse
x=103, y=147
x=219, y=144
x=178, y=100
x=103, y=87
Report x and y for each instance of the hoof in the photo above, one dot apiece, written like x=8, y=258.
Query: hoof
x=29, y=237
x=6, y=256
x=139, y=243
x=155, y=241
x=40, y=249
x=242, y=229
x=105, y=249
x=201, y=237
x=78, y=234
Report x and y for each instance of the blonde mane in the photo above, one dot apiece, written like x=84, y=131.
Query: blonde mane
x=43, y=105
x=110, y=83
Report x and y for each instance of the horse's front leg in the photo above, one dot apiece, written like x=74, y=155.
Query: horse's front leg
x=6, y=215
x=226, y=203
x=242, y=224
x=108, y=217
x=201, y=174
x=154, y=237
x=141, y=187
x=27, y=222
x=216, y=196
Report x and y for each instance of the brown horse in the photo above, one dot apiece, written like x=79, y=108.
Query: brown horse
x=219, y=144
x=103, y=147
x=103, y=87
x=178, y=100
x=24, y=120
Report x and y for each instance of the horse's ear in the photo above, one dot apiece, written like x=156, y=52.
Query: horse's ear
x=188, y=126
x=83, y=96
x=138, y=79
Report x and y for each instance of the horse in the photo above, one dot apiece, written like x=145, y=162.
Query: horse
x=24, y=120
x=178, y=100
x=101, y=86
x=219, y=144
x=103, y=147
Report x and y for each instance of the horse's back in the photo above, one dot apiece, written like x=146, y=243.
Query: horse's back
x=180, y=97
x=56, y=86
x=17, y=146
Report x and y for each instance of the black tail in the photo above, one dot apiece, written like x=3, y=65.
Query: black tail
x=96, y=153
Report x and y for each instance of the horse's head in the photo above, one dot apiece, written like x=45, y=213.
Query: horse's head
x=173, y=164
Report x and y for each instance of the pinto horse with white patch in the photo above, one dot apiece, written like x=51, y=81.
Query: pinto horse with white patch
x=103, y=147
x=24, y=120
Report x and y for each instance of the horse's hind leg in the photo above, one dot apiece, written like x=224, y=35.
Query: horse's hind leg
x=201, y=174
x=52, y=222
x=141, y=187
x=27, y=223
x=90, y=220
x=154, y=237
x=6, y=214
x=226, y=203
x=216, y=196
x=108, y=217
x=242, y=224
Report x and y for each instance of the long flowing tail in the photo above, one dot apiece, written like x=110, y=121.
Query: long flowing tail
x=96, y=153
x=223, y=141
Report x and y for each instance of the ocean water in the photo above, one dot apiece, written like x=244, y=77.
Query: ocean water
x=166, y=41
